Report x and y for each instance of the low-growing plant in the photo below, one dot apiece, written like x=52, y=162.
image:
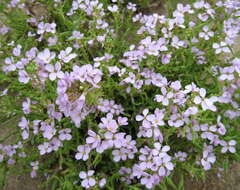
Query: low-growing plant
x=101, y=95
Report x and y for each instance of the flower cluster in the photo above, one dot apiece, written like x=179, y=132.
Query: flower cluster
x=72, y=90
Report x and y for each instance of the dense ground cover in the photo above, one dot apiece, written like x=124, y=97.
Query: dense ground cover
x=111, y=96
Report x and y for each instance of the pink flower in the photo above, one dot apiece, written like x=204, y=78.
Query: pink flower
x=122, y=121
x=159, y=150
x=52, y=41
x=176, y=120
x=176, y=42
x=156, y=120
x=206, y=103
x=142, y=118
x=93, y=139
x=46, y=56
x=165, y=165
x=23, y=76
x=199, y=4
x=119, y=155
x=191, y=111
x=65, y=134
x=221, y=128
x=113, y=8
x=147, y=181
x=166, y=58
x=108, y=123
x=176, y=85
x=45, y=148
x=54, y=71
x=23, y=124
x=49, y=132
x=26, y=106
x=46, y=27
x=191, y=88
x=17, y=50
x=208, y=157
x=55, y=144
x=88, y=180
x=131, y=6
x=206, y=34
x=102, y=182
x=34, y=169
x=25, y=134
x=76, y=35
x=83, y=152
x=4, y=92
x=222, y=47
x=164, y=98
x=228, y=146
x=66, y=55
x=181, y=156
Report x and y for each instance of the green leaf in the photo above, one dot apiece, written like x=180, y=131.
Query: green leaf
x=181, y=182
x=17, y=22
x=62, y=23
x=2, y=176
x=97, y=160
x=171, y=183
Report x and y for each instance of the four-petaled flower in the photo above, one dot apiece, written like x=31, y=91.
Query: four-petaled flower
x=83, y=152
x=221, y=47
x=206, y=103
x=88, y=180
x=228, y=146
x=206, y=34
x=66, y=55
x=46, y=56
x=54, y=71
